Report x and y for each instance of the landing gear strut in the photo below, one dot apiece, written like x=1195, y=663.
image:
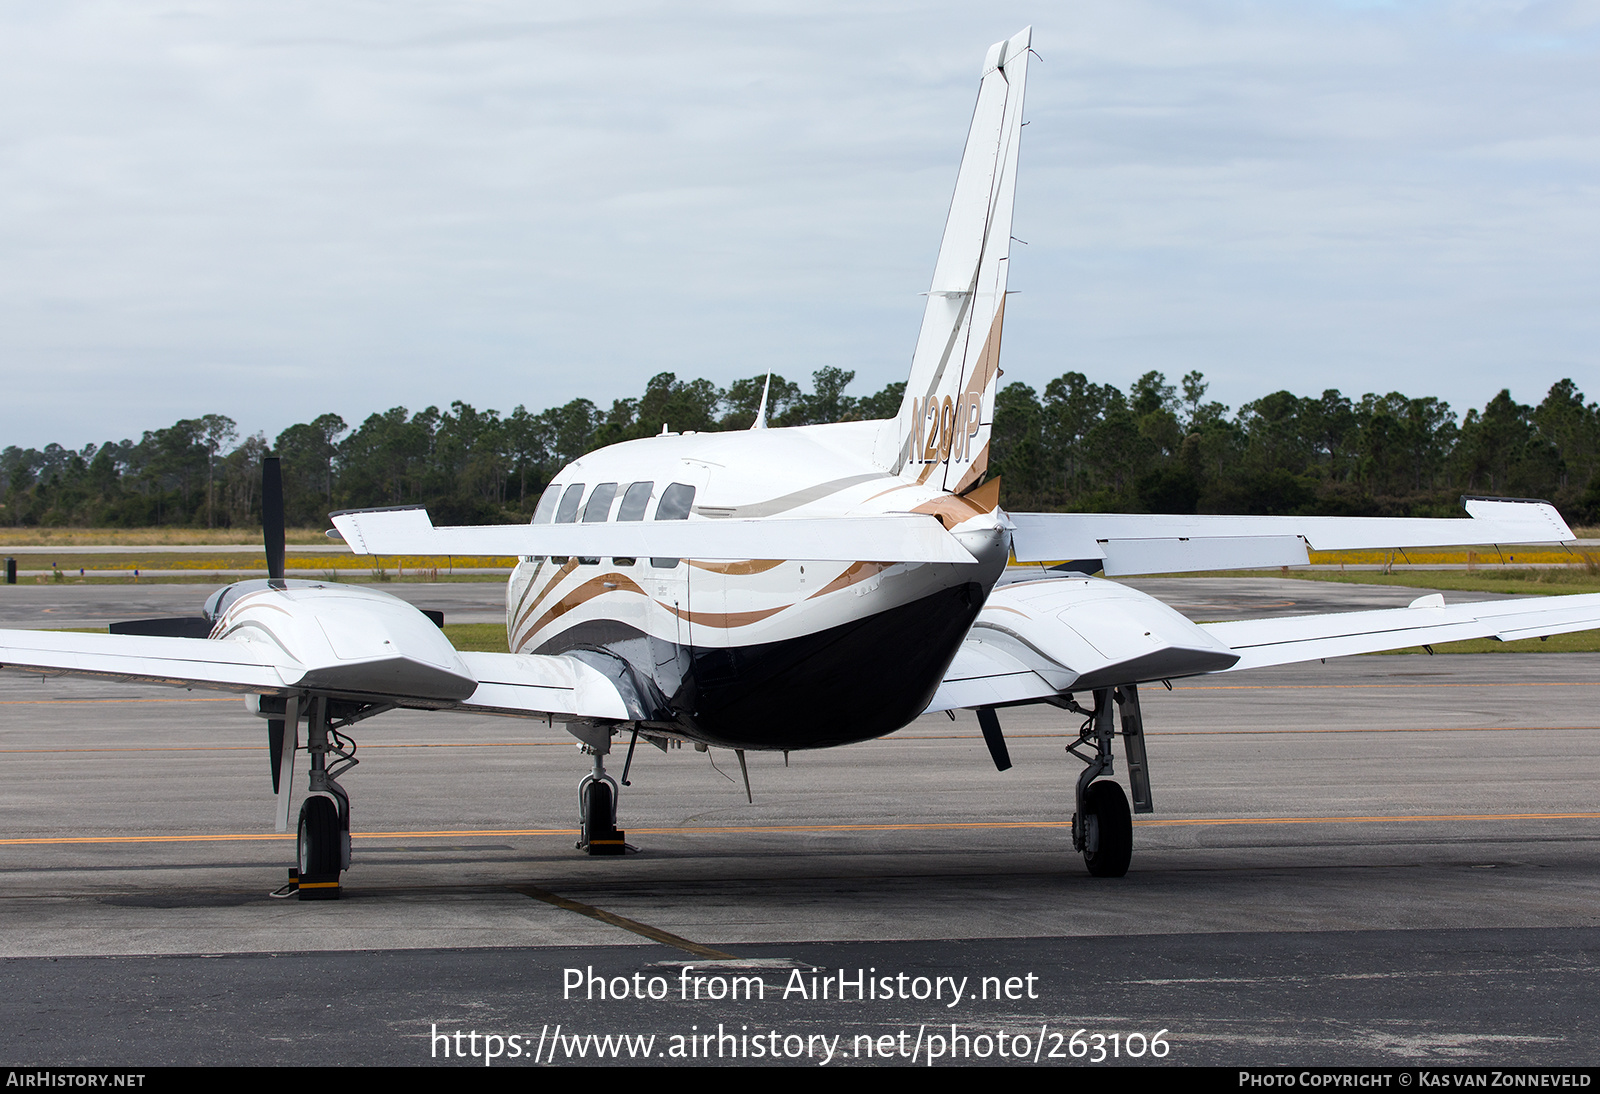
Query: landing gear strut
x=598, y=833
x=323, y=846
x=323, y=834
x=1102, y=826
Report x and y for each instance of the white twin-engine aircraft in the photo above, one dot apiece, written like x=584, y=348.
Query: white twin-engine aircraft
x=795, y=588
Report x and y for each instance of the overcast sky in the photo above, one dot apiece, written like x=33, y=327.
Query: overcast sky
x=270, y=211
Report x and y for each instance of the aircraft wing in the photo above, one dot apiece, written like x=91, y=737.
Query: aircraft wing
x=1260, y=642
x=899, y=537
x=1035, y=640
x=503, y=683
x=1145, y=543
x=182, y=662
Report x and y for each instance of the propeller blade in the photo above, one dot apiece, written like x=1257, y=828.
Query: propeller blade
x=272, y=515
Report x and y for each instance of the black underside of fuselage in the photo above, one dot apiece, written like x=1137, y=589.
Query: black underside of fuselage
x=852, y=682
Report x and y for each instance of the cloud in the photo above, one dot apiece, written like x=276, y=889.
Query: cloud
x=273, y=211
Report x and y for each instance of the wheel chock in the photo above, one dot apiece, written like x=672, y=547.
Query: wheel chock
x=310, y=887
x=612, y=843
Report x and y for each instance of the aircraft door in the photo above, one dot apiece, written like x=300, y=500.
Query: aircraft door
x=667, y=581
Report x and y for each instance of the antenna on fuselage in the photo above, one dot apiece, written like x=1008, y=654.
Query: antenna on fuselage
x=761, y=411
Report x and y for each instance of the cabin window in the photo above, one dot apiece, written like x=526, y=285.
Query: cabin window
x=599, y=507
x=547, y=504
x=635, y=500
x=568, y=512
x=676, y=501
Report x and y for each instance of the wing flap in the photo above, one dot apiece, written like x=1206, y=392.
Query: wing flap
x=983, y=676
x=900, y=537
x=522, y=684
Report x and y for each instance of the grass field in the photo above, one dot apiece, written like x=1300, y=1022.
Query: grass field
x=477, y=637
x=140, y=537
x=1544, y=582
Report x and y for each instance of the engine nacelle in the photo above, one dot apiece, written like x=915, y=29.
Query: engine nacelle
x=344, y=640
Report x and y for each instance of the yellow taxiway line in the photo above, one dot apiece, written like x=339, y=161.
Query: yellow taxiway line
x=481, y=833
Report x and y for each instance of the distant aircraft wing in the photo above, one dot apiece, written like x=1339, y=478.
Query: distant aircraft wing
x=1039, y=639
x=1145, y=543
x=900, y=537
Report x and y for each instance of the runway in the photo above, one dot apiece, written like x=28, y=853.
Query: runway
x=1388, y=860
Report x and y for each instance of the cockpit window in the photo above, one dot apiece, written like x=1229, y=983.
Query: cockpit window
x=599, y=507
x=568, y=513
x=547, y=504
x=635, y=500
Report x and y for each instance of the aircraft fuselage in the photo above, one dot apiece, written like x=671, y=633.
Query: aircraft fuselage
x=750, y=653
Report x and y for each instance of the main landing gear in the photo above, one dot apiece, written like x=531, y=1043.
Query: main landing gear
x=1102, y=826
x=322, y=844
x=598, y=833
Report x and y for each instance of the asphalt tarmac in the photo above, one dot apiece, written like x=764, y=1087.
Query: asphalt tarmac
x=1385, y=860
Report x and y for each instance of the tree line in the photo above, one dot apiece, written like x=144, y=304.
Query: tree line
x=1157, y=447
x=467, y=465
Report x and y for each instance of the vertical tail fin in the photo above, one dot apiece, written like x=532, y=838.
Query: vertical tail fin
x=941, y=434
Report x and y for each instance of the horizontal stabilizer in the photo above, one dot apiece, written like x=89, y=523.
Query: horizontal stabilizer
x=901, y=537
x=1147, y=543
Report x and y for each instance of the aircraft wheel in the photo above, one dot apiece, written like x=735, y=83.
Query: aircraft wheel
x=1106, y=802
x=600, y=835
x=319, y=844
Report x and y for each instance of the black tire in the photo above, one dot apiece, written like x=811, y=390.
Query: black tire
x=597, y=821
x=1105, y=801
x=319, y=844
